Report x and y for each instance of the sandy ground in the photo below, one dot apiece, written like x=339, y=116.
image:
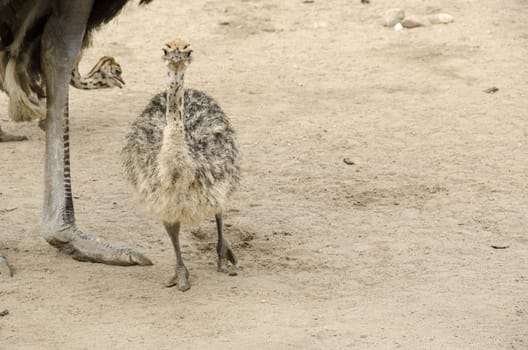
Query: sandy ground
x=391, y=252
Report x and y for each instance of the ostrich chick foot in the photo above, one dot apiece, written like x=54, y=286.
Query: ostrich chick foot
x=6, y=137
x=226, y=255
x=83, y=246
x=5, y=269
x=180, y=279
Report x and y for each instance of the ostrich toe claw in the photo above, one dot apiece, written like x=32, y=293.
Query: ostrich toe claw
x=6, y=137
x=87, y=247
x=5, y=269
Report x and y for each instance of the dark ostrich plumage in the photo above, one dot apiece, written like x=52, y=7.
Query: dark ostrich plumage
x=22, y=24
x=13, y=14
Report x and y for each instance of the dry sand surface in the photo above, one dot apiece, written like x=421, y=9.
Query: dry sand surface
x=392, y=251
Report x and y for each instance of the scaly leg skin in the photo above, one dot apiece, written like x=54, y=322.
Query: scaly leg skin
x=6, y=137
x=181, y=276
x=5, y=269
x=83, y=246
x=61, y=44
x=223, y=248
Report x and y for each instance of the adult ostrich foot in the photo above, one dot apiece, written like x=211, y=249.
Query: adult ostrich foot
x=224, y=250
x=7, y=137
x=5, y=269
x=83, y=246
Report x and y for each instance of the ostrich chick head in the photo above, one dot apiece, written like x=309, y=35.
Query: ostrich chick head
x=111, y=71
x=177, y=54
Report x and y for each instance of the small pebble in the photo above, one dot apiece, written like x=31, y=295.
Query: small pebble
x=501, y=246
x=491, y=90
x=440, y=18
x=412, y=22
x=392, y=17
x=347, y=161
x=4, y=313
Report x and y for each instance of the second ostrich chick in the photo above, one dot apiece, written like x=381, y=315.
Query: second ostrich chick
x=182, y=159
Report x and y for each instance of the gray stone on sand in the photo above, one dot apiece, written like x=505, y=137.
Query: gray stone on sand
x=393, y=17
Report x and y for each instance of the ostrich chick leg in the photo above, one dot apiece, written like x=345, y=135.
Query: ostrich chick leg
x=61, y=45
x=181, y=277
x=6, y=137
x=223, y=248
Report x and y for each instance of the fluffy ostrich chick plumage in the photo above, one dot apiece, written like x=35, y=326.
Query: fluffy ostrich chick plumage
x=182, y=178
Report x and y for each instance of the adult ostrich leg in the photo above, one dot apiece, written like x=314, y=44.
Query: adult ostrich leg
x=61, y=42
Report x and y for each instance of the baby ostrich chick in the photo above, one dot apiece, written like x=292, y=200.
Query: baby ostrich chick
x=182, y=159
x=105, y=74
